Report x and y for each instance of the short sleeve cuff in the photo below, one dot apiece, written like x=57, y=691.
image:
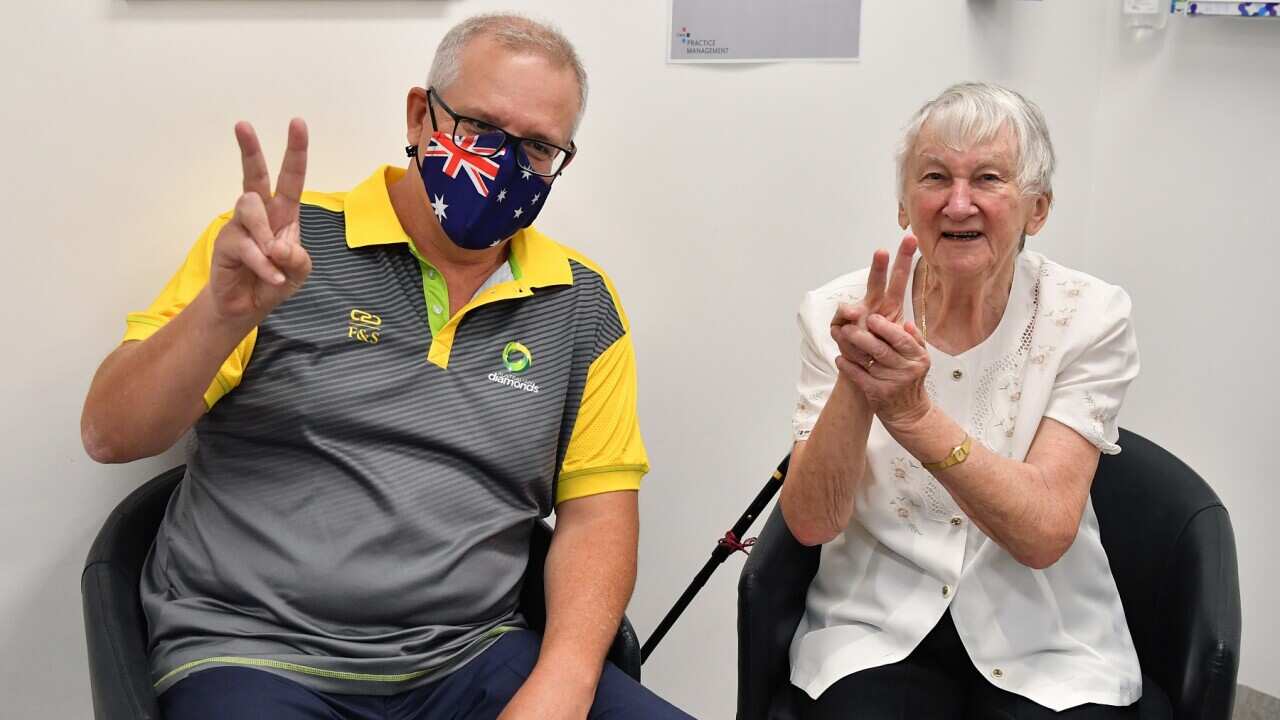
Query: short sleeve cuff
x=595, y=481
x=140, y=326
x=1102, y=434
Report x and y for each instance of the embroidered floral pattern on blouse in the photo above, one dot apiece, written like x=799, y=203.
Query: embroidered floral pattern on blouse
x=998, y=393
x=1101, y=417
x=919, y=493
x=1068, y=300
x=908, y=501
x=1040, y=354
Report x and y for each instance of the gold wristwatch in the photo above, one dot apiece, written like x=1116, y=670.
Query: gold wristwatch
x=958, y=454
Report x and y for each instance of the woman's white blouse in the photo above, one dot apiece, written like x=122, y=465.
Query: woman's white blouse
x=1065, y=350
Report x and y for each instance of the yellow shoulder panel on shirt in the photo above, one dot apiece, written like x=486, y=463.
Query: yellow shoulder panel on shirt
x=332, y=201
x=606, y=451
x=190, y=279
x=608, y=281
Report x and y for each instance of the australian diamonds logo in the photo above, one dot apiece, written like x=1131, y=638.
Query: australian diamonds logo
x=699, y=46
x=516, y=358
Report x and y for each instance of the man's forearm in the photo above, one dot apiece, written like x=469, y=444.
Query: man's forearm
x=817, y=498
x=147, y=394
x=590, y=574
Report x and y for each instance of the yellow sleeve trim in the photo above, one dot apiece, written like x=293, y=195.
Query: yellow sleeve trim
x=595, y=481
x=179, y=292
x=140, y=327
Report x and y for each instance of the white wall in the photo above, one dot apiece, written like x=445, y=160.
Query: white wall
x=714, y=195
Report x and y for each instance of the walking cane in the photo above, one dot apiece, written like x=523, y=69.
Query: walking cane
x=725, y=546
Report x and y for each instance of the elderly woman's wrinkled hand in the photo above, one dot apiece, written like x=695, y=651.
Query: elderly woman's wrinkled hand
x=891, y=377
x=882, y=355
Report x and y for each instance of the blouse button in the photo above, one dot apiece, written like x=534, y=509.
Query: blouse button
x=955, y=520
x=956, y=374
x=946, y=591
x=997, y=673
x=437, y=309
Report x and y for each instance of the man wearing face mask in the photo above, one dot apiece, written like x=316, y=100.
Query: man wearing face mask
x=387, y=388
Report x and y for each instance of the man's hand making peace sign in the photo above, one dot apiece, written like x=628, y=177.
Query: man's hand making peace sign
x=147, y=394
x=258, y=260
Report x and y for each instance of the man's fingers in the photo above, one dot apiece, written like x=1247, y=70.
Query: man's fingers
x=252, y=256
x=876, y=278
x=289, y=255
x=293, y=171
x=251, y=214
x=252, y=162
x=901, y=273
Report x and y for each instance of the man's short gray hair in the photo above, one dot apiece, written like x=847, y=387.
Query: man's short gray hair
x=971, y=113
x=512, y=31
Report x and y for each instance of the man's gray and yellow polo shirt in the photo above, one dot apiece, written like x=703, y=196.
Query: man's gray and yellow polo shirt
x=359, y=497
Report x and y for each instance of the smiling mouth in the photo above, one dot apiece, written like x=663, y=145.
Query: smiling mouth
x=971, y=235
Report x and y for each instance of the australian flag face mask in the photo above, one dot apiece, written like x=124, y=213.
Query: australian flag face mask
x=479, y=201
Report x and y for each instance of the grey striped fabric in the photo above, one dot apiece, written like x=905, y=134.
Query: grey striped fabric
x=352, y=515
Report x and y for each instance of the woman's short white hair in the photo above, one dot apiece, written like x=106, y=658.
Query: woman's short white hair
x=972, y=113
x=512, y=31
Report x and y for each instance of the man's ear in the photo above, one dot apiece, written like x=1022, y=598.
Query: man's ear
x=415, y=115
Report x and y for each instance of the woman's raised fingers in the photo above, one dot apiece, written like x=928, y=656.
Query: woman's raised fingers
x=898, y=280
x=876, y=278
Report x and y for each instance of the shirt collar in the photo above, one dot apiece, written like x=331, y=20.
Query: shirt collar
x=371, y=220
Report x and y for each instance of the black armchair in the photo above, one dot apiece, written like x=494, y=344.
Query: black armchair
x=116, y=630
x=1172, y=552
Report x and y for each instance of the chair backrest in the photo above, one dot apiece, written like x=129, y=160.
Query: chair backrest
x=771, y=595
x=1171, y=549
x=1172, y=552
x=116, y=631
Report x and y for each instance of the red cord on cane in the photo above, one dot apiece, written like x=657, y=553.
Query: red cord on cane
x=731, y=541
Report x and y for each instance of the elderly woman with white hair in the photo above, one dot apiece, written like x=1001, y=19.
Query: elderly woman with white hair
x=952, y=411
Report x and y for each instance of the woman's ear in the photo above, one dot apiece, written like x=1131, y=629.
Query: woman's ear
x=903, y=221
x=1039, y=213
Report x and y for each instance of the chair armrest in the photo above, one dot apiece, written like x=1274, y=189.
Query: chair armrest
x=625, y=652
x=1203, y=625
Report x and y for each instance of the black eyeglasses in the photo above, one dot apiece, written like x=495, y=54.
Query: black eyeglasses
x=538, y=157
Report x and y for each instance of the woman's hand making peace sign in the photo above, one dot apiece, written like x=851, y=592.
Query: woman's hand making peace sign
x=882, y=354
